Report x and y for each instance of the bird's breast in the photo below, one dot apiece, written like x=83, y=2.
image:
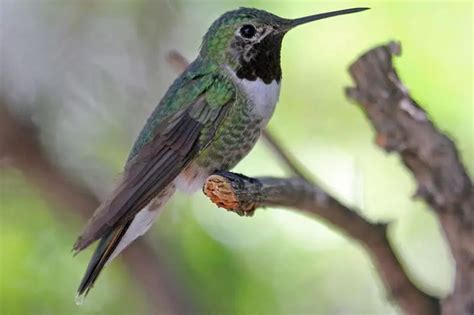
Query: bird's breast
x=241, y=128
x=262, y=96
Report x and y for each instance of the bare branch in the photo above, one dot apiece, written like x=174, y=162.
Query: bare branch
x=285, y=157
x=243, y=195
x=402, y=126
x=19, y=143
x=177, y=61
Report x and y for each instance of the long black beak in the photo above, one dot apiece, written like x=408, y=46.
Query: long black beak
x=315, y=17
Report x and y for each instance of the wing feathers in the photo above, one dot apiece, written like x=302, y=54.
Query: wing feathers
x=99, y=259
x=157, y=164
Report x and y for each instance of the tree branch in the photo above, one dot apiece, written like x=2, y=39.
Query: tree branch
x=285, y=157
x=242, y=194
x=20, y=145
x=402, y=126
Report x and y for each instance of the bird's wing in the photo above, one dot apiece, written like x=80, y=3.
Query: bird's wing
x=175, y=141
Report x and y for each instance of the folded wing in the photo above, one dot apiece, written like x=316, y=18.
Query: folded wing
x=175, y=143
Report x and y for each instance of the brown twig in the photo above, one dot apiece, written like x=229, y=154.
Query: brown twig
x=177, y=61
x=285, y=157
x=243, y=195
x=19, y=143
x=402, y=126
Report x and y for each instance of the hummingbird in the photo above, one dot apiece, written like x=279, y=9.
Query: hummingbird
x=208, y=120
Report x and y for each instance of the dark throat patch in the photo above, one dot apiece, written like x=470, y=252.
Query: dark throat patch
x=265, y=61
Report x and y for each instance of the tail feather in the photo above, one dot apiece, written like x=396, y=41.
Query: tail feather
x=102, y=254
x=112, y=243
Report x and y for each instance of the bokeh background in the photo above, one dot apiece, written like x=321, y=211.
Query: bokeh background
x=87, y=73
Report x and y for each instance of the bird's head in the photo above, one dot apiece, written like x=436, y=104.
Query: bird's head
x=249, y=40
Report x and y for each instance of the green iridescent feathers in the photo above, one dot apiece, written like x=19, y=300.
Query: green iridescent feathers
x=201, y=80
x=200, y=77
x=217, y=38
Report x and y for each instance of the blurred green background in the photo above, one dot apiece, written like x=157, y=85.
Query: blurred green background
x=87, y=73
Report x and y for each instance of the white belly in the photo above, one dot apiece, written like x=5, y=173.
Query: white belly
x=263, y=96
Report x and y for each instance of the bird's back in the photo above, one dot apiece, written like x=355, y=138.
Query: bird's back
x=197, y=77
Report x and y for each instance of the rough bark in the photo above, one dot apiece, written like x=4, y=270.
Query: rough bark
x=402, y=126
x=243, y=195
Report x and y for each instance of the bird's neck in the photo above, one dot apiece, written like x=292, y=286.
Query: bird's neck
x=260, y=61
x=262, y=97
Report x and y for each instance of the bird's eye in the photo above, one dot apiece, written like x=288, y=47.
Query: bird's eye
x=248, y=31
